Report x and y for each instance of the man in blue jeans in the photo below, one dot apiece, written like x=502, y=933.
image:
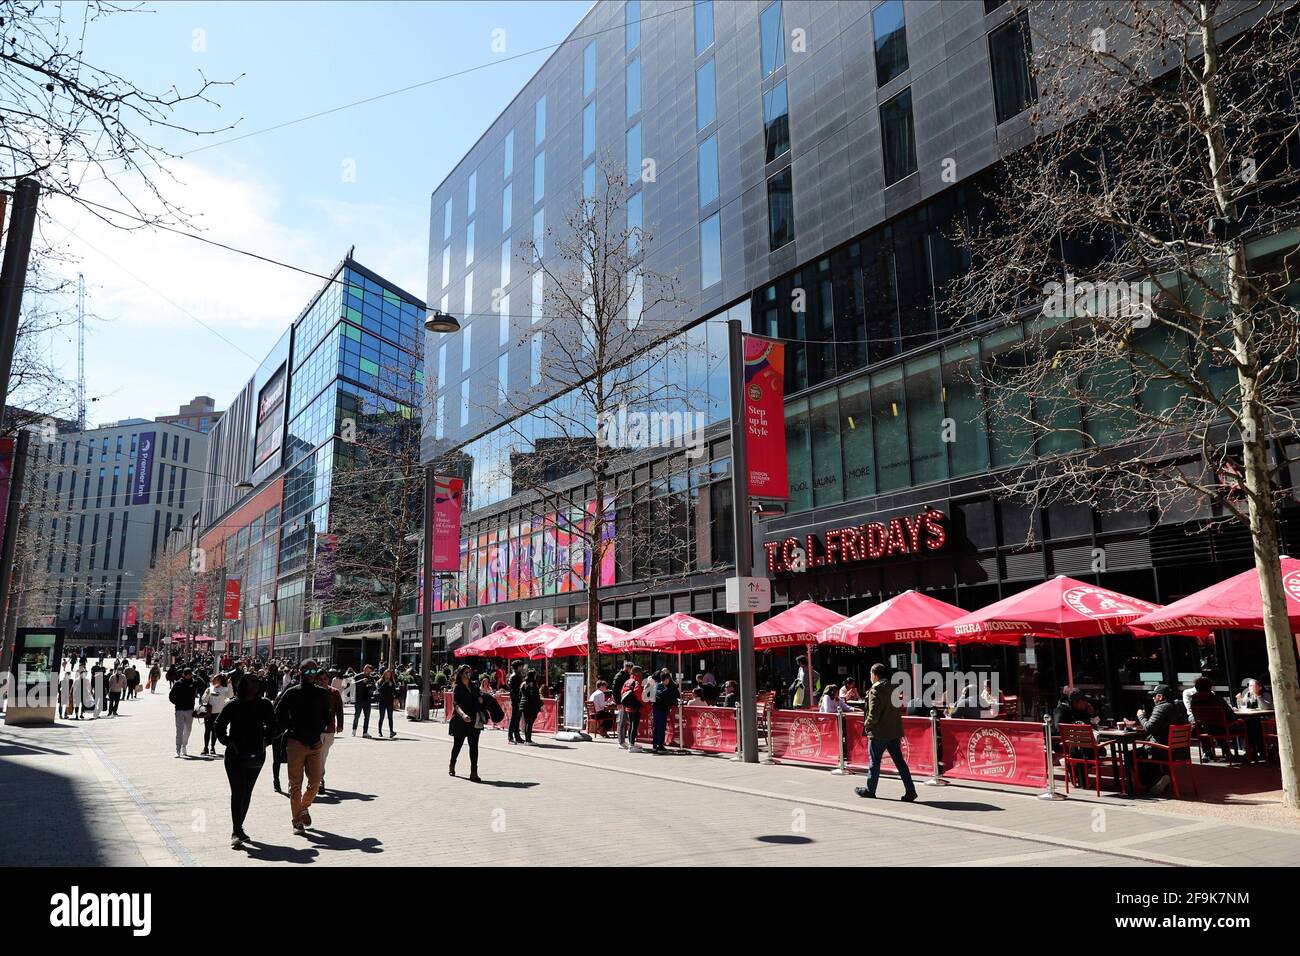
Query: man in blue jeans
x=884, y=728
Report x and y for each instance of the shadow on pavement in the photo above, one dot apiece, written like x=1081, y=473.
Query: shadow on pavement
x=958, y=806
x=64, y=809
x=272, y=853
x=335, y=841
x=338, y=796
x=514, y=784
x=782, y=838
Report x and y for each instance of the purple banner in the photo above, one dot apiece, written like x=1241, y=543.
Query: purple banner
x=143, y=481
x=327, y=546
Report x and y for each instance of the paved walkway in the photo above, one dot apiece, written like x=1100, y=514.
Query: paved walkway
x=109, y=792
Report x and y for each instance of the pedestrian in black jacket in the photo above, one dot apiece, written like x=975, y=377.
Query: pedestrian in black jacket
x=666, y=697
x=465, y=721
x=515, y=685
x=530, y=703
x=363, y=695
x=304, y=712
x=182, y=695
x=245, y=725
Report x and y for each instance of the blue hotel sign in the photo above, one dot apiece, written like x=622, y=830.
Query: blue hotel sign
x=143, y=482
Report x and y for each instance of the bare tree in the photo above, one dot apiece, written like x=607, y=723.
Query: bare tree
x=1142, y=229
x=378, y=501
x=600, y=358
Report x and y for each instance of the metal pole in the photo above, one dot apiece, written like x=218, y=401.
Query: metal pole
x=744, y=532
x=13, y=276
x=1050, y=793
x=17, y=472
x=843, y=768
x=309, y=559
x=426, y=588
x=935, y=779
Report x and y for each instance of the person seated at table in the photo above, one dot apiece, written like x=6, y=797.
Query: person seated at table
x=967, y=706
x=1168, y=711
x=1075, y=708
x=991, y=703
x=697, y=698
x=602, y=708
x=730, y=695
x=849, y=693
x=1255, y=696
x=1203, y=695
x=830, y=702
x=710, y=692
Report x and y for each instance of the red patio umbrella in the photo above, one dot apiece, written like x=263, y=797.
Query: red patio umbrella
x=487, y=645
x=1234, y=604
x=521, y=643
x=798, y=625
x=1061, y=607
x=676, y=634
x=573, y=642
x=910, y=616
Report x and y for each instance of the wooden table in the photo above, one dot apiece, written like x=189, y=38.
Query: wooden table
x=1125, y=738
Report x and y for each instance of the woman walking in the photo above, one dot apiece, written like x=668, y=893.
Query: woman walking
x=81, y=691
x=155, y=675
x=214, y=700
x=244, y=725
x=466, y=722
x=530, y=703
x=388, y=693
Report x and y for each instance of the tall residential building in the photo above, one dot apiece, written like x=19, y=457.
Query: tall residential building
x=101, y=504
x=817, y=153
x=273, y=452
x=199, y=413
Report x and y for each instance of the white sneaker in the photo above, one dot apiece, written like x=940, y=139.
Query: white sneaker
x=184, y=752
x=1160, y=786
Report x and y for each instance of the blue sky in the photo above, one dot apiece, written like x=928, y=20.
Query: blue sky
x=302, y=194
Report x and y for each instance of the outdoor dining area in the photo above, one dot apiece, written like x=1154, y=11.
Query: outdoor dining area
x=966, y=731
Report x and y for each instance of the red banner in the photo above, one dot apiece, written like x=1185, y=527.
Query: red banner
x=446, y=523
x=200, y=605
x=646, y=729
x=918, y=749
x=994, y=751
x=230, y=606
x=765, y=417
x=710, y=729
x=132, y=614
x=806, y=736
x=548, y=718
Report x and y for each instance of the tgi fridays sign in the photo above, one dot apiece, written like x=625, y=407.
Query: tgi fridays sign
x=909, y=534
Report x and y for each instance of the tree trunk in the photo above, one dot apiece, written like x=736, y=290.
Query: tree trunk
x=1255, y=426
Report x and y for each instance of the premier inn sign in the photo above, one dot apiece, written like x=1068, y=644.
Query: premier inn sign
x=918, y=533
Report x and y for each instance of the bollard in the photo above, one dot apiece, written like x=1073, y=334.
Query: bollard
x=935, y=780
x=1050, y=793
x=843, y=768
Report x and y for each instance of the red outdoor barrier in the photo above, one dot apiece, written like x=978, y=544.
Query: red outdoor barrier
x=645, y=731
x=918, y=748
x=548, y=718
x=710, y=729
x=806, y=736
x=447, y=706
x=994, y=751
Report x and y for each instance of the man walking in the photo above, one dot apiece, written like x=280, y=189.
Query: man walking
x=336, y=720
x=883, y=725
x=304, y=712
x=515, y=685
x=116, y=687
x=182, y=695
x=665, y=701
x=363, y=694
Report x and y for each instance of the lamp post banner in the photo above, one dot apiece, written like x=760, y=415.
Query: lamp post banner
x=144, y=454
x=765, y=418
x=230, y=603
x=446, y=523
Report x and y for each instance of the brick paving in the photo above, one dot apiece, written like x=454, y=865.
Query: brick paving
x=110, y=793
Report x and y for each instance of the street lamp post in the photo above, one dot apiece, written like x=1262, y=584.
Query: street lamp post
x=744, y=531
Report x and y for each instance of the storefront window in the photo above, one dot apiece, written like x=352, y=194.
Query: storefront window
x=855, y=435
x=799, y=453
x=889, y=421
x=925, y=420
x=826, y=465
x=968, y=452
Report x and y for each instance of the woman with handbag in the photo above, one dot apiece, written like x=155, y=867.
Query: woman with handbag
x=244, y=725
x=213, y=701
x=467, y=720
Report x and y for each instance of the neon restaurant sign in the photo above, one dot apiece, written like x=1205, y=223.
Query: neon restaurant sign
x=910, y=534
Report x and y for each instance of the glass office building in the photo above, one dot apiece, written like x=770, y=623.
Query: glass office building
x=804, y=184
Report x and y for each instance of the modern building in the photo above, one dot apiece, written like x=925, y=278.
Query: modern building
x=101, y=504
x=273, y=452
x=200, y=413
x=824, y=148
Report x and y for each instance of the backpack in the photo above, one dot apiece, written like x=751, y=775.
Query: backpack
x=631, y=694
